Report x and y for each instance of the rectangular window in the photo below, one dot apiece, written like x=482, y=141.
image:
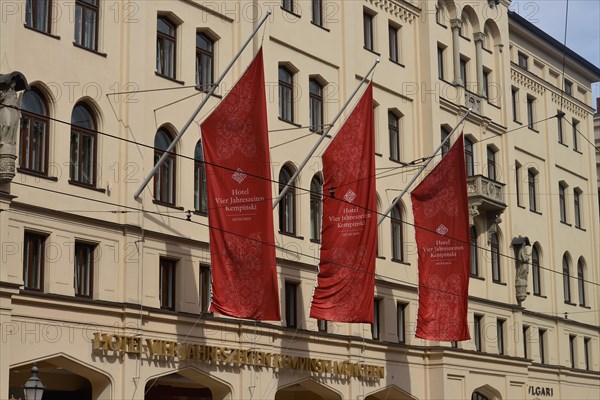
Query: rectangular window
x=368, y=30
x=454, y=344
x=205, y=55
x=33, y=261
x=393, y=36
x=83, y=156
x=167, y=283
x=561, y=138
x=376, y=325
x=205, y=284
x=577, y=207
x=315, y=105
x=573, y=350
x=562, y=203
x=542, y=345
x=525, y=341
x=322, y=325
x=288, y=5
x=530, y=112
x=84, y=269
x=291, y=304
x=575, y=124
x=166, y=44
x=587, y=351
x=86, y=23
x=568, y=87
x=523, y=59
x=491, y=163
x=317, y=12
x=515, y=104
x=394, y=136
x=401, y=328
x=500, y=335
x=486, y=83
x=477, y=332
x=38, y=15
x=440, y=60
x=463, y=71
x=286, y=94
x=518, y=182
x=532, y=183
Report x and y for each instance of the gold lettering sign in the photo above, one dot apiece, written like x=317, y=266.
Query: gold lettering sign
x=153, y=348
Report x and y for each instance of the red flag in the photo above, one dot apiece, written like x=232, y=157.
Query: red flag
x=236, y=150
x=440, y=208
x=346, y=281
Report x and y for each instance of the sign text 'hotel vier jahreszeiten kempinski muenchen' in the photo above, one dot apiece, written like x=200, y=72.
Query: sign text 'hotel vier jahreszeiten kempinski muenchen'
x=155, y=348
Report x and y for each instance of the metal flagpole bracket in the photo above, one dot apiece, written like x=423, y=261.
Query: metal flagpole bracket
x=447, y=138
x=169, y=149
x=323, y=136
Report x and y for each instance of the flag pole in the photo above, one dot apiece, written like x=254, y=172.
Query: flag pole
x=195, y=113
x=323, y=136
x=447, y=138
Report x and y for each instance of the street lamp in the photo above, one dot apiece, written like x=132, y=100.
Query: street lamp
x=33, y=389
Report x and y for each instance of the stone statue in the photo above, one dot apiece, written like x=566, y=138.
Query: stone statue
x=523, y=256
x=10, y=116
x=10, y=120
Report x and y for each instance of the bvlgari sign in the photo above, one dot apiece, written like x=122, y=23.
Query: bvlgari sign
x=155, y=349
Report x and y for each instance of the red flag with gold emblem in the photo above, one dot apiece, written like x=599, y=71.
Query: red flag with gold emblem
x=236, y=151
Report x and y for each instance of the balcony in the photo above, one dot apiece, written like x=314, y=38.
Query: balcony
x=485, y=194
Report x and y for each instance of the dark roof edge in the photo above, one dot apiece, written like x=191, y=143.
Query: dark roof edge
x=555, y=43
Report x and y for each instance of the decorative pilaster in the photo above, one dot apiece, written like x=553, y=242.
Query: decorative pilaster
x=478, y=37
x=456, y=24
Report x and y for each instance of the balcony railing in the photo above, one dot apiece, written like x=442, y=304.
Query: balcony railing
x=486, y=193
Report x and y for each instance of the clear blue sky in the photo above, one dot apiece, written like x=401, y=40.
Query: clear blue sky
x=583, y=25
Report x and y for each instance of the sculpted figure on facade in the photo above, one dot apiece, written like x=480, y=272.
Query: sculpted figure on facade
x=10, y=120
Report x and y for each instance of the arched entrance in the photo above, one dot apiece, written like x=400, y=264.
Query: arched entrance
x=486, y=392
x=186, y=384
x=390, y=392
x=63, y=378
x=307, y=389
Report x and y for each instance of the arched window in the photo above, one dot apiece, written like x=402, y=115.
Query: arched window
x=495, y=253
x=394, y=135
x=83, y=146
x=205, y=56
x=444, y=134
x=397, y=242
x=200, y=191
x=166, y=43
x=287, y=205
x=566, y=265
x=34, y=133
x=581, y=281
x=536, y=272
x=474, y=268
x=316, y=193
x=478, y=396
x=286, y=94
x=315, y=105
x=469, y=158
x=164, y=179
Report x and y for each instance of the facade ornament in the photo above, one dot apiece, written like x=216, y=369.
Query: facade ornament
x=10, y=121
x=522, y=248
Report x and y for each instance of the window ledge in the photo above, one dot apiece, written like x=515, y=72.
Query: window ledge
x=320, y=26
x=493, y=105
x=464, y=37
x=540, y=295
x=315, y=241
x=563, y=143
x=37, y=174
x=372, y=51
x=201, y=89
x=584, y=306
x=479, y=278
x=577, y=151
x=99, y=53
x=520, y=206
x=488, y=50
x=290, y=122
x=400, y=262
x=169, y=78
x=292, y=235
x=380, y=257
x=42, y=32
x=397, y=63
x=535, y=212
x=290, y=12
x=533, y=129
x=378, y=154
x=569, y=303
x=201, y=213
x=517, y=122
x=83, y=185
x=442, y=25
x=160, y=203
x=499, y=283
x=580, y=228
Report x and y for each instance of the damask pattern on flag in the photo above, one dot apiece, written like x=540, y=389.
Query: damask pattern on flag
x=346, y=280
x=440, y=208
x=236, y=150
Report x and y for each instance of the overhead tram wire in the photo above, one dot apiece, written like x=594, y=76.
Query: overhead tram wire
x=277, y=247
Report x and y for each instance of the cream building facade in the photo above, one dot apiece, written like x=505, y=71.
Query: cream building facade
x=107, y=294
